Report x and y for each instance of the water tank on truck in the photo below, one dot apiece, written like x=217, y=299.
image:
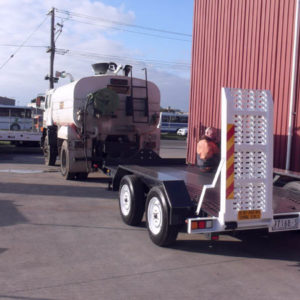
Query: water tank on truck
x=108, y=117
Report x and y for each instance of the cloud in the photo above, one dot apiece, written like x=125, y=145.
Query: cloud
x=22, y=77
x=174, y=89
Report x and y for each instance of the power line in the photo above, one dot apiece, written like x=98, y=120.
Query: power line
x=127, y=30
x=137, y=63
x=22, y=45
x=64, y=51
x=68, y=13
x=86, y=54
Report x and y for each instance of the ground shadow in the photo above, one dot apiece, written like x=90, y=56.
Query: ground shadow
x=128, y=228
x=23, y=298
x=56, y=190
x=105, y=180
x=261, y=245
x=10, y=215
x=11, y=149
x=2, y=250
x=29, y=159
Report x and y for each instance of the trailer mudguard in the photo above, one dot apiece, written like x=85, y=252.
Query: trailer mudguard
x=179, y=201
x=116, y=178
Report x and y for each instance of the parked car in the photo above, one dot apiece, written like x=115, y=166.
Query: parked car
x=182, y=131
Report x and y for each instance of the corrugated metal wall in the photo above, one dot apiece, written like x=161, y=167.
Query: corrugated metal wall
x=295, y=162
x=243, y=44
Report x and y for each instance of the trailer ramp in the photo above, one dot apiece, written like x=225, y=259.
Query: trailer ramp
x=246, y=161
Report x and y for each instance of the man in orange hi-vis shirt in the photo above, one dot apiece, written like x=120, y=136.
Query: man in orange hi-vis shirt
x=208, y=152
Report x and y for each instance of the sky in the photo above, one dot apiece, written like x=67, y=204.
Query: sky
x=150, y=33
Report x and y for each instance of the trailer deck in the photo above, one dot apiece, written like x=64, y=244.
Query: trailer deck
x=284, y=201
x=192, y=177
x=287, y=173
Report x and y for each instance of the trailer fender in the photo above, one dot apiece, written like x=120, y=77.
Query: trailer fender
x=118, y=177
x=179, y=201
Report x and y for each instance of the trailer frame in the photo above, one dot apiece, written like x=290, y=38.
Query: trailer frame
x=239, y=196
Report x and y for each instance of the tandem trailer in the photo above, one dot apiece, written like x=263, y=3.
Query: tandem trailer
x=239, y=196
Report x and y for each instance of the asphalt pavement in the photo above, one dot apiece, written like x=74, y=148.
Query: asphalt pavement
x=66, y=240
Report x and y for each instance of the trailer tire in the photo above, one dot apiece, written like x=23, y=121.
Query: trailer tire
x=131, y=200
x=65, y=162
x=49, y=154
x=157, y=219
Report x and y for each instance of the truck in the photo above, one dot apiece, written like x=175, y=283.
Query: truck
x=105, y=118
x=239, y=196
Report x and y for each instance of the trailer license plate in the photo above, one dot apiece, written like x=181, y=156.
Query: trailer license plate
x=285, y=224
x=249, y=214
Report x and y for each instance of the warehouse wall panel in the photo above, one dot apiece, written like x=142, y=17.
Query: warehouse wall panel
x=243, y=44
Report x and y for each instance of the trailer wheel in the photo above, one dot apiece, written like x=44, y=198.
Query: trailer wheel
x=49, y=154
x=160, y=232
x=131, y=200
x=65, y=162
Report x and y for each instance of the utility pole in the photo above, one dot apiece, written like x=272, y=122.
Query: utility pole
x=52, y=48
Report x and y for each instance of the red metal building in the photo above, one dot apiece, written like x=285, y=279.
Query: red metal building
x=249, y=44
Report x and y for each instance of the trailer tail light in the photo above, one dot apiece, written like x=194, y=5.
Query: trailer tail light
x=202, y=224
x=214, y=237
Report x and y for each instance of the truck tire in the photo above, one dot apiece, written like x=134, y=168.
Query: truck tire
x=49, y=153
x=65, y=162
x=131, y=200
x=157, y=219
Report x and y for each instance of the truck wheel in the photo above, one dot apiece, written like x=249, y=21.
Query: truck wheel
x=160, y=232
x=49, y=154
x=65, y=162
x=131, y=200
